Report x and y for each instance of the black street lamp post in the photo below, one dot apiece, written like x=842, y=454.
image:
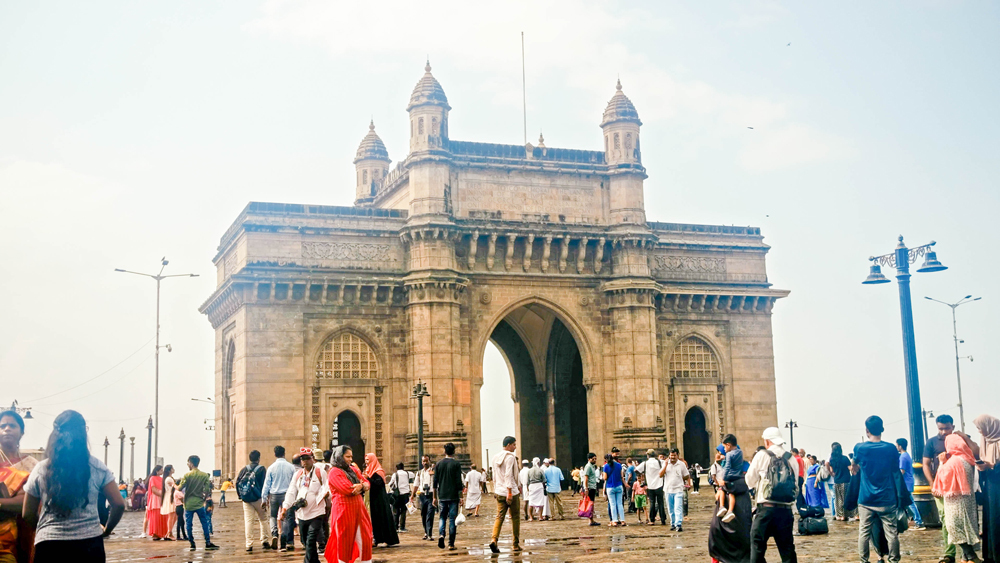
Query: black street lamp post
x=900, y=259
x=791, y=425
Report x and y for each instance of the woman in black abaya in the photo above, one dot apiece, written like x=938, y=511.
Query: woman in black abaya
x=380, y=504
x=729, y=542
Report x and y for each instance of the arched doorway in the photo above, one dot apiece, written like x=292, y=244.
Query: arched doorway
x=696, y=446
x=346, y=431
x=546, y=372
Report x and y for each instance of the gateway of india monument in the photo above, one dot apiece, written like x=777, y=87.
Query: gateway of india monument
x=617, y=330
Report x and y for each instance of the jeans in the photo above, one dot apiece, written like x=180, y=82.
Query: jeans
x=203, y=518
x=503, y=507
x=400, y=508
x=772, y=521
x=309, y=533
x=675, y=506
x=871, y=515
x=915, y=512
x=656, y=502
x=427, y=514
x=274, y=502
x=287, y=538
x=449, y=511
x=615, y=503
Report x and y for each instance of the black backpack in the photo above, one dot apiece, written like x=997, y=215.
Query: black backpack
x=781, y=480
x=246, y=485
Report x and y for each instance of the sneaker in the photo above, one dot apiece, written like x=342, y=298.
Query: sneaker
x=452, y=547
x=193, y=546
x=494, y=548
x=274, y=543
x=250, y=549
x=919, y=527
x=595, y=523
x=672, y=527
x=441, y=542
x=402, y=530
x=282, y=549
x=729, y=517
x=679, y=529
x=722, y=512
x=425, y=537
x=210, y=546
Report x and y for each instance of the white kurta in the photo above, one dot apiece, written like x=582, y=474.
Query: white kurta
x=536, y=494
x=474, y=489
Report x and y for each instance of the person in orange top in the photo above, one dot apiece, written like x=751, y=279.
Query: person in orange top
x=350, y=525
x=14, y=471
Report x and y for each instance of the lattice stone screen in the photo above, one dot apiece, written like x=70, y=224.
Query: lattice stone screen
x=693, y=358
x=346, y=356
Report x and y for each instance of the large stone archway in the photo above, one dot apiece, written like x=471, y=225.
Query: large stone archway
x=603, y=316
x=546, y=371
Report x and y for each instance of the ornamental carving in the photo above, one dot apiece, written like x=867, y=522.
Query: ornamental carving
x=346, y=251
x=689, y=264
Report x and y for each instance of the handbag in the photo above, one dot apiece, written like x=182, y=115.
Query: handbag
x=586, y=508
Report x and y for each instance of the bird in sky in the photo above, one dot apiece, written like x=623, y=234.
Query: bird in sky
x=749, y=127
x=789, y=45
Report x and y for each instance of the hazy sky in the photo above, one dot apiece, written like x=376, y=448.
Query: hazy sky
x=130, y=131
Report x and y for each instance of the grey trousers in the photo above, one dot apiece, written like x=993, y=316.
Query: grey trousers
x=871, y=516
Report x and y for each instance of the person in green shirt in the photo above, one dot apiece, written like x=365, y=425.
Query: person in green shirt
x=197, y=486
x=589, y=477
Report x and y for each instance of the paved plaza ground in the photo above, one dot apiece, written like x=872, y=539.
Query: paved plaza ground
x=554, y=541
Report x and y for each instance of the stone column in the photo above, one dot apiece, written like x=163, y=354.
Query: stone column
x=636, y=393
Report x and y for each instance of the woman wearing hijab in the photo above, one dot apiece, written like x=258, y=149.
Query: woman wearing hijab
x=60, y=500
x=954, y=484
x=350, y=526
x=156, y=523
x=989, y=482
x=840, y=467
x=383, y=524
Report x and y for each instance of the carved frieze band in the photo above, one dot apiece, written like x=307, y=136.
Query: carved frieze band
x=667, y=263
x=347, y=251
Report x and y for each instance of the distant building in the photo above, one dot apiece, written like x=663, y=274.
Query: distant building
x=617, y=330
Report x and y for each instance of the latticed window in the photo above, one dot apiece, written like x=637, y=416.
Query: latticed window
x=693, y=358
x=346, y=356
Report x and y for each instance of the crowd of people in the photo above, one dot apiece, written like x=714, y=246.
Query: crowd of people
x=61, y=508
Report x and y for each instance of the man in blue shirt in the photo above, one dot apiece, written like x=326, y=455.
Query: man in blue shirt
x=553, y=486
x=877, y=500
x=279, y=475
x=906, y=468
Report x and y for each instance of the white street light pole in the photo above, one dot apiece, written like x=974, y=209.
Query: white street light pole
x=954, y=332
x=158, y=277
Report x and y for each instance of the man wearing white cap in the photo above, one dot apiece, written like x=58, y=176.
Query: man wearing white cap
x=775, y=479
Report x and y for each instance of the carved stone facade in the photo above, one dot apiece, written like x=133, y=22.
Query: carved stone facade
x=617, y=331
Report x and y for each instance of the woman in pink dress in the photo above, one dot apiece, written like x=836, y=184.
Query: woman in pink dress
x=350, y=526
x=156, y=523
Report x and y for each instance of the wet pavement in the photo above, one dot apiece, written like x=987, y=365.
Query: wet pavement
x=551, y=541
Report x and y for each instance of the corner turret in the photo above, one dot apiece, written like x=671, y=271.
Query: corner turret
x=428, y=109
x=372, y=164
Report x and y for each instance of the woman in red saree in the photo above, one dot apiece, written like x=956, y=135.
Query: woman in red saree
x=156, y=523
x=350, y=526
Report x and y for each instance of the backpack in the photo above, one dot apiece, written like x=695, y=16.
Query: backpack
x=246, y=485
x=781, y=480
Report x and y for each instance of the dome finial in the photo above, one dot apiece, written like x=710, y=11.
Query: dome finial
x=619, y=85
x=541, y=139
x=371, y=124
x=427, y=67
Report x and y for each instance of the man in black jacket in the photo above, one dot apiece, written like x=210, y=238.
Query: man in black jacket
x=249, y=485
x=448, y=489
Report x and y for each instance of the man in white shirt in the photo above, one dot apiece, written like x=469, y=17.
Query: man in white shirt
x=399, y=484
x=423, y=485
x=508, y=493
x=307, y=491
x=654, y=486
x=522, y=479
x=774, y=518
x=676, y=478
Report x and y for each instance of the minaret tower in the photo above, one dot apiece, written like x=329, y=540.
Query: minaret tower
x=621, y=151
x=372, y=166
x=427, y=162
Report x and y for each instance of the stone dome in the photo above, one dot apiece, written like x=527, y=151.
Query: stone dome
x=371, y=147
x=620, y=108
x=428, y=91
